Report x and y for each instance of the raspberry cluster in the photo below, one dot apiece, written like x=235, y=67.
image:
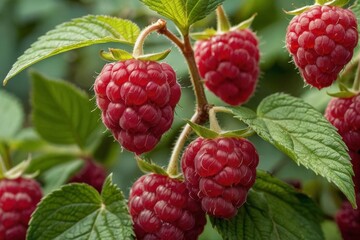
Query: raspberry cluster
x=18, y=199
x=322, y=41
x=161, y=209
x=92, y=173
x=219, y=173
x=229, y=63
x=137, y=99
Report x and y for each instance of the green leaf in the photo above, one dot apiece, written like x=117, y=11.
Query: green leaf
x=273, y=211
x=78, y=211
x=303, y=133
x=183, y=12
x=11, y=115
x=45, y=162
x=62, y=114
x=77, y=33
x=60, y=174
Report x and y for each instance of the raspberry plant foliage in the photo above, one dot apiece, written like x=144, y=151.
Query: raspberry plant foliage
x=67, y=122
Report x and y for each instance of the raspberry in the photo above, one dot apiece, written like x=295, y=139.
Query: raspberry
x=344, y=114
x=322, y=41
x=18, y=199
x=219, y=173
x=161, y=209
x=348, y=220
x=92, y=174
x=137, y=99
x=229, y=63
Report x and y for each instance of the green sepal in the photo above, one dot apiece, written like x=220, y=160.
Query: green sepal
x=339, y=3
x=207, y=133
x=19, y=171
x=344, y=92
x=148, y=166
x=244, y=24
x=240, y=133
x=115, y=55
x=154, y=56
x=299, y=10
x=206, y=34
x=203, y=131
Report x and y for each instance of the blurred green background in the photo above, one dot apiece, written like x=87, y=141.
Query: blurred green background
x=23, y=21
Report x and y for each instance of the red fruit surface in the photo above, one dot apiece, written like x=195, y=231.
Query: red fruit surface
x=137, y=99
x=344, y=114
x=229, y=64
x=18, y=200
x=321, y=41
x=348, y=220
x=92, y=173
x=219, y=173
x=161, y=209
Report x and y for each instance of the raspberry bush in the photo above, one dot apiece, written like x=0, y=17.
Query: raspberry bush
x=200, y=136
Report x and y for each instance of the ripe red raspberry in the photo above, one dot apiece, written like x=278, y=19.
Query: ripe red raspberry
x=219, y=173
x=161, y=209
x=321, y=41
x=348, y=220
x=229, y=63
x=344, y=114
x=137, y=99
x=92, y=173
x=18, y=199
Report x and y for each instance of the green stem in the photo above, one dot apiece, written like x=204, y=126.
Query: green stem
x=214, y=124
x=138, y=47
x=172, y=168
x=222, y=109
x=223, y=24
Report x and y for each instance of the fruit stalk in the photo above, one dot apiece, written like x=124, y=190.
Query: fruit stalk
x=172, y=168
x=138, y=47
x=214, y=124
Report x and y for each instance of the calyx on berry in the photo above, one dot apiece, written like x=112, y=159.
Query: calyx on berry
x=338, y=3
